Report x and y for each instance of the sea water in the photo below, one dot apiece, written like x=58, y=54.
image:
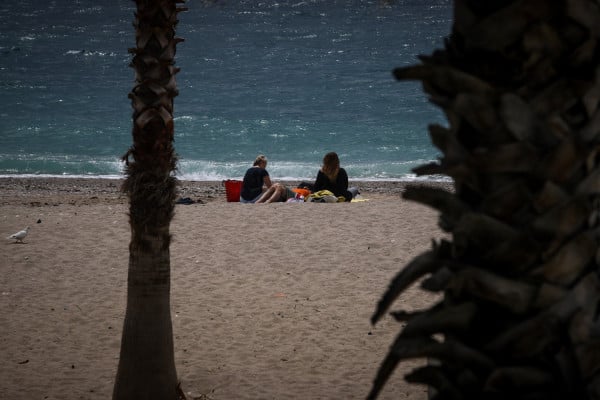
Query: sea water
x=289, y=79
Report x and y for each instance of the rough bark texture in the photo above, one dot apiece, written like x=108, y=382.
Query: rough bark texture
x=147, y=365
x=519, y=82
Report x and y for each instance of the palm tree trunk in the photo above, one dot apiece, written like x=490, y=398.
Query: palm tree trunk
x=147, y=365
x=519, y=82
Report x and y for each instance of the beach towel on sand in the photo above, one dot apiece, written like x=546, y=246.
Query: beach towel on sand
x=323, y=196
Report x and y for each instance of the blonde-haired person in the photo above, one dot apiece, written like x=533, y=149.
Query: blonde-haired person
x=257, y=186
x=334, y=178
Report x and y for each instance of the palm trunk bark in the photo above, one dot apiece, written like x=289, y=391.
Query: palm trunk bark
x=519, y=81
x=147, y=365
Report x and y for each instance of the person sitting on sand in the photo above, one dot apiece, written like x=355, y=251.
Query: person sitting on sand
x=257, y=186
x=334, y=178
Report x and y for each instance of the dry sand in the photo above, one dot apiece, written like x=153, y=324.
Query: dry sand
x=268, y=301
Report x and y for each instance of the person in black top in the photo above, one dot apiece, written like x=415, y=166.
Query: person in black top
x=255, y=179
x=334, y=178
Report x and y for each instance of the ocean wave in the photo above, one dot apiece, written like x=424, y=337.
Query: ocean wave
x=202, y=178
x=87, y=53
x=88, y=10
x=204, y=170
x=285, y=170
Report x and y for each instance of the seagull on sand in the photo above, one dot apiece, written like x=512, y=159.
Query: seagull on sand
x=19, y=236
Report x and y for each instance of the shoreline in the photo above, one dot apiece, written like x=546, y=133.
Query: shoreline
x=36, y=191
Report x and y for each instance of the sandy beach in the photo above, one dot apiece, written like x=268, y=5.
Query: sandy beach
x=268, y=301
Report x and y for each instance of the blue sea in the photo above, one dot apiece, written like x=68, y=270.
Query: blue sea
x=289, y=79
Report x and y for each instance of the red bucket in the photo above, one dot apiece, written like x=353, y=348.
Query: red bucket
x=233, y=188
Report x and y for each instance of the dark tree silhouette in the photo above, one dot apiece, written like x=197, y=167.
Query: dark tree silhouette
x=519, y=83
x=147, y=363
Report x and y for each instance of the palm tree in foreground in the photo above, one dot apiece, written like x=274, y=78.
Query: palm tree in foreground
x=519, y=82
x=147, y=363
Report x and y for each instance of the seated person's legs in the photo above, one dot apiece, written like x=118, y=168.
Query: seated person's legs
x=272, y=194
x=265, y=195
x=277, y=192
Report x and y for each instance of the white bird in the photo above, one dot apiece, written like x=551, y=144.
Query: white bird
x=19, y=236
